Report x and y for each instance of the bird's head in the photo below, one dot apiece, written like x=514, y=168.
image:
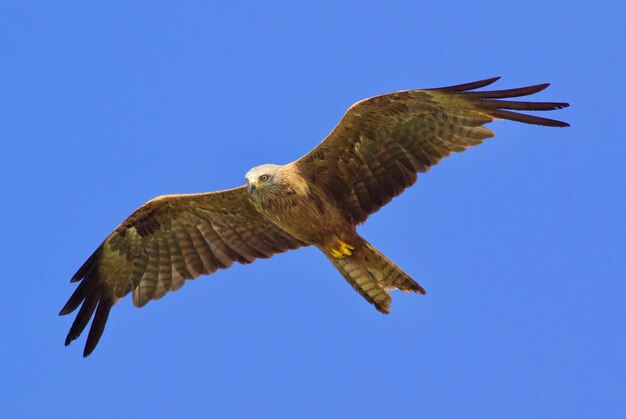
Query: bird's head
x=263, y=178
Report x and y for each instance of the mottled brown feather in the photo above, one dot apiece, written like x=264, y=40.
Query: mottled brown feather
x=166, y=241
x=381, y=143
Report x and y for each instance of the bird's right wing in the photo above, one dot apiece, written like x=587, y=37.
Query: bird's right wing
x=166, y=241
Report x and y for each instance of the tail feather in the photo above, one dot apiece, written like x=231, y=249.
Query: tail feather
x=372, y=275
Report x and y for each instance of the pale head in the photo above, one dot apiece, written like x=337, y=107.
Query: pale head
x=262, y=177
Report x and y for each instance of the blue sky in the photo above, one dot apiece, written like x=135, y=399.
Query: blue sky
x=519, y=242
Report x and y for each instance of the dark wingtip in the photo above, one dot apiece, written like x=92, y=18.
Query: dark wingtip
x=516, y=92
x=528, y=106
x=496, y=112
x=87, y=267
x=91, y=300
x=77, y=297
x=468, y=86
x=97, y=326
x=490, y=101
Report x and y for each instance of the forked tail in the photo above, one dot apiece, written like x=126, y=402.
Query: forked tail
x=373, y=275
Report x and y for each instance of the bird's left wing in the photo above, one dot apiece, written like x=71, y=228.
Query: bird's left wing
x=166, y=241
x=381, y=143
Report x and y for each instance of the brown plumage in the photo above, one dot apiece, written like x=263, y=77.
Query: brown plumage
x=373, y=154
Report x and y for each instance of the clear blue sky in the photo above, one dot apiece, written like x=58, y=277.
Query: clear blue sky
x=519, y=242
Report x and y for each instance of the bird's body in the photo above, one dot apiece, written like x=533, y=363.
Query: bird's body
x=297, y=207
x=373, y=154
x=289, y=202
x=305, y=211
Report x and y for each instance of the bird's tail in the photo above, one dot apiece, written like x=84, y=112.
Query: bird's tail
x=373, y=275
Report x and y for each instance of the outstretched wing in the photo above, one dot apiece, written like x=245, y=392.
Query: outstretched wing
x=381, y=143
x=166, y=241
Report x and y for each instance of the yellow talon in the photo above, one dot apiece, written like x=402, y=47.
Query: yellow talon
x=342, y=250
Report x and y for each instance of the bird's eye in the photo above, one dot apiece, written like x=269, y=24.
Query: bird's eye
x=263, y=178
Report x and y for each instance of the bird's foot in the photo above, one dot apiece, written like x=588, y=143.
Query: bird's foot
x=341, y=250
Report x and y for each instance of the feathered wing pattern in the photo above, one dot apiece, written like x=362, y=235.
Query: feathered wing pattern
x=163, y=243
x=381, y=143
x=373, y=154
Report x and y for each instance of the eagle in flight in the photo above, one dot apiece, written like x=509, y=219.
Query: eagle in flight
x=372, y=155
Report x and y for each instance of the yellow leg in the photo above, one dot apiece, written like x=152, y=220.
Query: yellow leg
x=341, y=249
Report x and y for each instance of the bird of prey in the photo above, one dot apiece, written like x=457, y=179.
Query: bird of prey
x=371, y=156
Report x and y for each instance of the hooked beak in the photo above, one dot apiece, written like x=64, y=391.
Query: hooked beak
x=252, y=185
